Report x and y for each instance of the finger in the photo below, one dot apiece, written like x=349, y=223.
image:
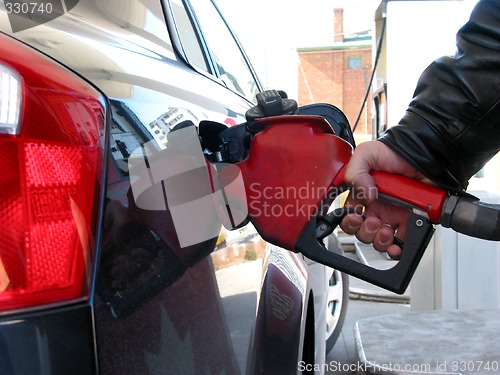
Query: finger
x=358, y=171
x=369, y=229
x=364, y=189
x=384, y=238
x=360, y=162
x=394, y=251
x=351, y=223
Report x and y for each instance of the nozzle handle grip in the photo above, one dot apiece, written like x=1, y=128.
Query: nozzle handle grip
x=414, y=193
x=464, y=213
x=405, y=191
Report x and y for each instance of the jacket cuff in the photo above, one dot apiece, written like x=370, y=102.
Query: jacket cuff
x=416, y=141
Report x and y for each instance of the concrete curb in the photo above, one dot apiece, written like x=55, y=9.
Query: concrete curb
x=373, y=296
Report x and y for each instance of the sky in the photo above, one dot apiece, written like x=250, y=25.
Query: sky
x=294, y=23
x=271, y=30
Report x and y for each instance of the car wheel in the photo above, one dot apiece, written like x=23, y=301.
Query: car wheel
x=337, y=299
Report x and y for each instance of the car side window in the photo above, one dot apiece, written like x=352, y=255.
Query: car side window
x=229, y=59
x=188, y=36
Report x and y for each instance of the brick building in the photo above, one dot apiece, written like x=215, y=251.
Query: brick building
x=339, y=74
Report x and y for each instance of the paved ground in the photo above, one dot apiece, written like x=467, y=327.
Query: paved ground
x=394, y=342
x=342, y=358
x=366, y=301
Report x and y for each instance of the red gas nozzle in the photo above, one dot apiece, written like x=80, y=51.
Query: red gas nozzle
x=295, y=167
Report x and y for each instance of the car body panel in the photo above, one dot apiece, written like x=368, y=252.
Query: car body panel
x=278, y=331
x=57, y=341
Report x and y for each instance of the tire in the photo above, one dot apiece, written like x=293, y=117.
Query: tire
x=337, y=299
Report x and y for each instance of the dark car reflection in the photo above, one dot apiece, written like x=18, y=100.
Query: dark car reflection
x=146, y=279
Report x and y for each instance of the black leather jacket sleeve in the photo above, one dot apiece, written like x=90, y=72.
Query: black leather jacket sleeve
x=452, y=126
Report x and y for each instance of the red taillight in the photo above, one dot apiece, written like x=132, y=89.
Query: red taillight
x=51, y=158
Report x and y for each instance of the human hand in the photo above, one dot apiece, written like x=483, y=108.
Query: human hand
x=382, y=221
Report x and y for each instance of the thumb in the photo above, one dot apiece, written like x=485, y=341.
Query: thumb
x=358, y=170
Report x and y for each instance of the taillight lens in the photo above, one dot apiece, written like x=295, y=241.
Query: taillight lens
x=51, y=158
